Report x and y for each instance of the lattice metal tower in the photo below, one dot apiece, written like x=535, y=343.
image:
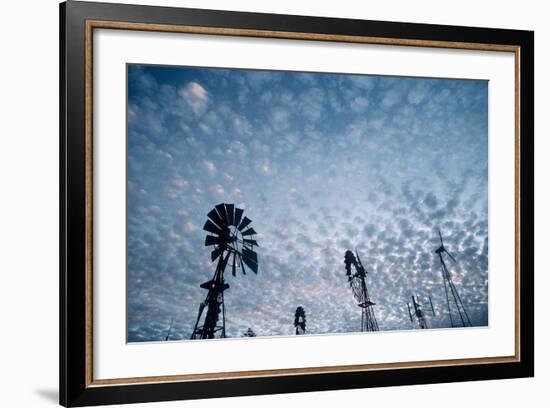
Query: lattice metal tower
x=232, y=241
x=300, y=320
x=454, y=302
x=358, y=284
x=423, y=322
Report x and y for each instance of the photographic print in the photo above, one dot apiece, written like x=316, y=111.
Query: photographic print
x=278, y=203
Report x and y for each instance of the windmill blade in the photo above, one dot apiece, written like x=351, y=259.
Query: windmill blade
x=214, y=216
x=251, y=264
x=249, y=231
x=211, y=240
x=225, y=260
x=216, y=253
x=237, y=217
x=452, y=257
x=211, y=227
x=244, y=223
x=233, y=270
x=250, y=254
x=230, y=210
x=220, y=208
x=250, y=259
x=440, y=237
x=242, y=263
x=410, y=314
x=250, y=242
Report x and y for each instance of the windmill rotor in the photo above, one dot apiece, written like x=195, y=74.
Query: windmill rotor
x=228, y=233
x=233, y=245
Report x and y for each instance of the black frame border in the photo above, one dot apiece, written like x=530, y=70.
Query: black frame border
x=72, y=126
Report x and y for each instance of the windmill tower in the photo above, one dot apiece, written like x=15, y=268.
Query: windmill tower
x=233, y=244
x=300, y=320
x=454, y=302
x=423, y=323
x=358, y=284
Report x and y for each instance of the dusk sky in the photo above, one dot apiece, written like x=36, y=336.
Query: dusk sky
x=321, y=163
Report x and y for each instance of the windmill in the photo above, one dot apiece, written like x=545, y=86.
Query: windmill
x=169, y=330
x=419, y=313
x=358, y=284
x=454, y=302
x=233, y=243
x=249, y=333
x=300, y=320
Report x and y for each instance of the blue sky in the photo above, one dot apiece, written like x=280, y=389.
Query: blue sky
x=321, y=163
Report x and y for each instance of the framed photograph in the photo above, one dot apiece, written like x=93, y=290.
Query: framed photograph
x=256, y=204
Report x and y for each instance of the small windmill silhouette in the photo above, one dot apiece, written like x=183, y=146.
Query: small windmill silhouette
x=454, y=302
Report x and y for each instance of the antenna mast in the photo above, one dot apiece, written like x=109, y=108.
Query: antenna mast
x=358, y=284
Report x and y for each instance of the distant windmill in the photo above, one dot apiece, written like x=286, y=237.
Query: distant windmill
x=358, y=284
x=300, y=320
x=419, y=313
x=169, y=330
x=232, y=241
x=454, y=302
x=249, y=333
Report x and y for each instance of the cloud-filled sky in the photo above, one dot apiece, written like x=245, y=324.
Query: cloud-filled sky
x=321, y=163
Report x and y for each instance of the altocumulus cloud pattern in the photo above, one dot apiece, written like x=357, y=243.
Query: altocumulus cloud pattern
x=321, y=163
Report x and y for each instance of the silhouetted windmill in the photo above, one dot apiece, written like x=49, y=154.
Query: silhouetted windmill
x=454, y=302
x=300, y=320
x=232, y=241
x=169, y=330
x=419, y=313
x=249, y=333
x=358, y=284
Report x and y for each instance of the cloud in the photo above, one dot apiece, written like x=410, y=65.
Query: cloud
x=195, y=96
x=359, y=104
x=209, y=166
x=217, y=190
x=189, y=227
x=280, y=118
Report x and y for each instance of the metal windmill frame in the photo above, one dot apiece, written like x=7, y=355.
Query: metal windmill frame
x=358, y=284
x=231, y=238
x=423, y=323
x=300, y=320
x=454, y=302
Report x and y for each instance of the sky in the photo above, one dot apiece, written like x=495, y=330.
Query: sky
x=320, y=163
